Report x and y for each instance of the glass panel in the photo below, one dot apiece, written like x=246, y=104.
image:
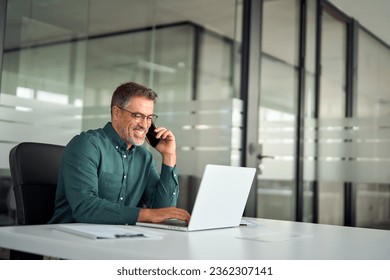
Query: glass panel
x=332, y=91
x=277, y=111
x=373, y=83
x=171, y=67
x=309, y=133
x=332, y=105
x=206, y=132
x=216, y=67
x=42, y=86
x=372, y=104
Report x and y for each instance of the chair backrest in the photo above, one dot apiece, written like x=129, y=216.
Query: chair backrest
x=34, y=172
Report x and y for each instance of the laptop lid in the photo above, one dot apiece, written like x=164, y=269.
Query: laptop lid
x=221, y=198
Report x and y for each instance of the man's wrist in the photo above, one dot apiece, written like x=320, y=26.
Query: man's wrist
x=169, y=160
x=144, y=215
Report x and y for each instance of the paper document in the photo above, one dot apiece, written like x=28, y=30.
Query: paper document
x=95, y=231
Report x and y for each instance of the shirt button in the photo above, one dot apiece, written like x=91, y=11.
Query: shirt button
x=116, y=147
x=121, y=198
x=125, y=176
x=124, y=156
x=174, y=193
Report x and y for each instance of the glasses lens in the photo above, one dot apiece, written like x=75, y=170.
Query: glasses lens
x=138, y=117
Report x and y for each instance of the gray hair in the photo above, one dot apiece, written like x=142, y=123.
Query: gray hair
x=126, y=91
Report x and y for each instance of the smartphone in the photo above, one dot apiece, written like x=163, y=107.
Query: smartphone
x=151, y=135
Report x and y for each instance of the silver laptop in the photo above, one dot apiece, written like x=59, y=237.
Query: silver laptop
x=220, y=201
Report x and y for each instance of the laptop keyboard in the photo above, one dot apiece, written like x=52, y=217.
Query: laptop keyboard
x=175, y=222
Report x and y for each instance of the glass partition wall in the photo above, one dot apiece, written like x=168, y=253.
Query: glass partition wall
x=372, y=138
x=352, y=125
x=343, y=157
x=43, y=74
x=323, y=128
x=332, y=107
x=42, y=79
x=278, y=109
x=63, y=60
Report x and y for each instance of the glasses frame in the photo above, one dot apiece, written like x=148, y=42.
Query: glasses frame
x=139, y=117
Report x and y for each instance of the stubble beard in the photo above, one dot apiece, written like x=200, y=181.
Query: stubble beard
x=131, y=136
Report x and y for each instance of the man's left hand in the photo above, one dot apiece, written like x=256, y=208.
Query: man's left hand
x=167, y=145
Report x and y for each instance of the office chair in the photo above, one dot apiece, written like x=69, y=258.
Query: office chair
x=5, y=211
x=34, y=171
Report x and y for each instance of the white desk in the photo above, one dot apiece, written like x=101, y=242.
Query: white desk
x=313, y=242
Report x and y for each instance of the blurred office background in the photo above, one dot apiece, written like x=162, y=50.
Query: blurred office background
x=298, y=88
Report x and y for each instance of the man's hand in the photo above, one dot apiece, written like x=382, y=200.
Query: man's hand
x=161, y=214
x=167, y=146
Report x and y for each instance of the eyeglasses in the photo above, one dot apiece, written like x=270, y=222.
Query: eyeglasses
x=139, y=117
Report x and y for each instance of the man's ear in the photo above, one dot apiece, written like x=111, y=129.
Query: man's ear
x=115, y=112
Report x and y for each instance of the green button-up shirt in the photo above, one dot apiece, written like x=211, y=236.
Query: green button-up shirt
x=101, y=181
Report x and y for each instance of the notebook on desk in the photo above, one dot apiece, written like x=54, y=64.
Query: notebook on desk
x=220, y=201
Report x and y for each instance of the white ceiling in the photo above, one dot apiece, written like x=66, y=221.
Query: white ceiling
x=110, y=16
x=372, y=14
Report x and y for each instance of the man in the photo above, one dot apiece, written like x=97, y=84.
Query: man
x=106, y=175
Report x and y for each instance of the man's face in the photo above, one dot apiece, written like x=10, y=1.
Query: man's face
x=124, y=123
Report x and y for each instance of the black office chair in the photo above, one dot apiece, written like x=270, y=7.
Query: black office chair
x=6, y=217
x=34, y=171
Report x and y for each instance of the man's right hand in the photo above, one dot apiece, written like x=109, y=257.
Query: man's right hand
x=161, y=214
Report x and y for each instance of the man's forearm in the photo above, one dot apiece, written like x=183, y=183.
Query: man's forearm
x=169, y=160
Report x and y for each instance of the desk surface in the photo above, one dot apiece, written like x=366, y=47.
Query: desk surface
x=267, y=239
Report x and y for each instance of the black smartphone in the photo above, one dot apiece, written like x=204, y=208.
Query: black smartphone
x=151, y=135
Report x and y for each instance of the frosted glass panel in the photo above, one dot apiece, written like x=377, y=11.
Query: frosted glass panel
x=276, y=192
x=350, y=149
x=43, y=73
x=373, y=100
x=31, y=120
x=277, y=138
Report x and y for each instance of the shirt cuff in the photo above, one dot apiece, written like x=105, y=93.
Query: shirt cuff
x=170, y=180
x=168, y=174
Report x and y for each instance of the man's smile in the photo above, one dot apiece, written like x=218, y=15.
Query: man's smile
x=140, y=132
